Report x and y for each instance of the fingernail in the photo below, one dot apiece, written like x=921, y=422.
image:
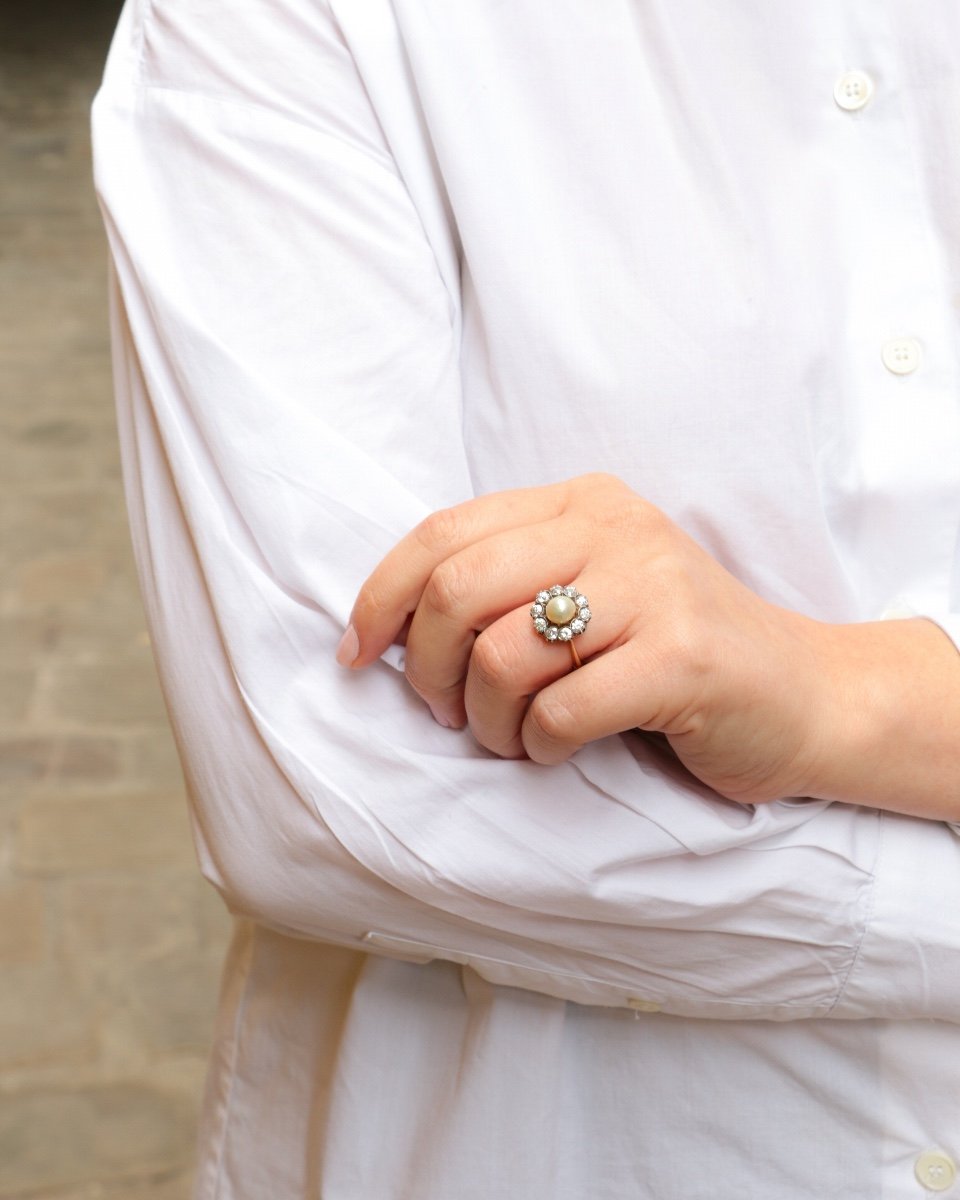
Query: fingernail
x=440, y=718
x=349, y=648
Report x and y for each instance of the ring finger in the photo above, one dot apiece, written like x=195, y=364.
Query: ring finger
x=473, y=589
x=510, y=664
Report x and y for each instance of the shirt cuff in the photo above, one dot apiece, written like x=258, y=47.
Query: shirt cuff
x=909, y=957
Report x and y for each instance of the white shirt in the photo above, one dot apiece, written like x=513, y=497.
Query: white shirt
x=375, y=257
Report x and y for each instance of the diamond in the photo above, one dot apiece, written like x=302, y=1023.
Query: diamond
x=536, y=610
x=582, y=602
x=585, y=614
x=543, y=597
x=540, y=624
x=556, y=590
x=552, y=633
x=565, y=634
x=577, y=626
x=570, y=591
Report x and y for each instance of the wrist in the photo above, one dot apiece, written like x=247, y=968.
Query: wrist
x=885, y=726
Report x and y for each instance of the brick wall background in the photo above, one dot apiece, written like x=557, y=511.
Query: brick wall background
x=110, y=942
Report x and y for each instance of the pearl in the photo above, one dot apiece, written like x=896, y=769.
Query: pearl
x=561, y=609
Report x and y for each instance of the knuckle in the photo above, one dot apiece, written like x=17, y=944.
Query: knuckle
x=623, y=523
x=641, y=514
x=441, y=531
x=447, y=588
x=594, y=481
x=492, y=664
x=425, y=687
x=374, y=602
x=613, y=503
x=550, y=721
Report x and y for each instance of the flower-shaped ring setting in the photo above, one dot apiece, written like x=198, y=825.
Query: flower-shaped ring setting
x=561, y=613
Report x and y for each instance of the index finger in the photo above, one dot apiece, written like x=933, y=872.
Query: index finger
x=392, y=592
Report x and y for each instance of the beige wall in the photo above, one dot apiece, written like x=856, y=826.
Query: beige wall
x=110, y=943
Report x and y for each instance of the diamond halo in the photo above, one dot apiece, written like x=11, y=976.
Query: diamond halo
x=560, y=613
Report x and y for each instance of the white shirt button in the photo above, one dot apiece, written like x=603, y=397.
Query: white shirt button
x=638, y=1004
x=935, y=1170
x=853, y=90
x=901, y=355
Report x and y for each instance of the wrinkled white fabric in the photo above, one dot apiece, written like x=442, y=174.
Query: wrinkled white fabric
x=373, y=258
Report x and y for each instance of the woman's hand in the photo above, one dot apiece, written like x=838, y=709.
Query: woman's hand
x=758, y=702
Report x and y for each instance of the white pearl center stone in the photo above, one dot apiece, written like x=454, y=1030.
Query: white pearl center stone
x=560, y=610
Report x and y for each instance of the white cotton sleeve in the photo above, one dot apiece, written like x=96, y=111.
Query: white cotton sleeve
x=288, y=387
x=950, y=624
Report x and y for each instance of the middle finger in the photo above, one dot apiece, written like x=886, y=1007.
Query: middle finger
x=474, y=588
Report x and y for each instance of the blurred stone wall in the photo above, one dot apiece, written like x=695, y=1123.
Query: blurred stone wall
x=110, y=942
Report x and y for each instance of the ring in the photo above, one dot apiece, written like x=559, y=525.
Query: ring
x=560, y=614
